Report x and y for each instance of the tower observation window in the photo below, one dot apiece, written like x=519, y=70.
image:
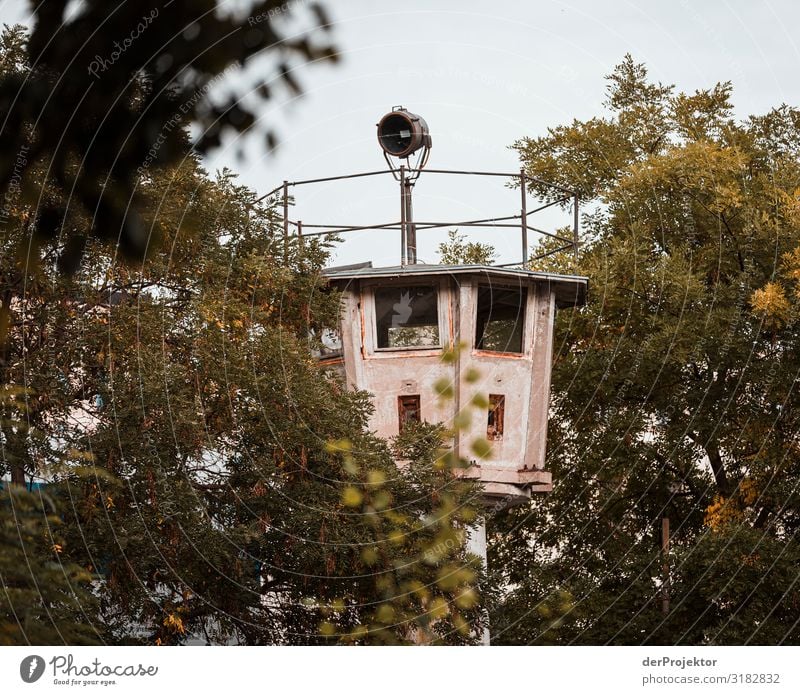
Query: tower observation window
x=500, y=319
x=407, y=317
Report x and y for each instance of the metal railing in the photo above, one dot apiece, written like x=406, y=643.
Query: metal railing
x=408, y=227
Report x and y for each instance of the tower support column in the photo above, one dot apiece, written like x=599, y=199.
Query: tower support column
x=476, y=544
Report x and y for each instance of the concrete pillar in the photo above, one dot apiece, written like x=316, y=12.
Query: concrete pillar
x=476, y=544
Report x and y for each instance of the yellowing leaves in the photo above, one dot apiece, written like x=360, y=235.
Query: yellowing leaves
x=438, y=607
x=748, y=491
x=791, y=267
x=327, y=629
x=723, y=511
x=351, y=496
x=369, y=556
x=726, y=197
x=385, y=613
x=174, y=623
x=771, y=304
x=790, y=205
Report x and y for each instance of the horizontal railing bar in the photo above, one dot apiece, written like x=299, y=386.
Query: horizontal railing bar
x=549, y=205
x=339, y=178
x=267, y=195
x=418, y=225
x=471, y=222
x=379, y=172
x=323, y=179
x=349, y=227
x=437, y=225
x=514, y=175
x=334, y=229
x=550, y=253
x=550, y=234
x=471, y=173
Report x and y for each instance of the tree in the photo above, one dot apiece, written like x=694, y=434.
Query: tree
x=43, y=598
x=101, y=92
x=457, y=251
x=213, y=481
x=674, y=389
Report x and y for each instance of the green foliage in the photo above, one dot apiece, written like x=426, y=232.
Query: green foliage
x=174, y=407
x=433, y=591
x=427, y=585
x=673, y=388
x=458, y=251
x=113, y=89
x=183, y=425
x=44, y=599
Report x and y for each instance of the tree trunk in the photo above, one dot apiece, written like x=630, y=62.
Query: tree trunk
x=18, y=475
x=718, y=468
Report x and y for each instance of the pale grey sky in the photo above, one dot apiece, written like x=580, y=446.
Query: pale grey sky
x=484, y=74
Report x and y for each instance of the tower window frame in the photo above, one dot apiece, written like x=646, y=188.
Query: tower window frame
x=395, y=323
x=500, y=315
x=408, y=410
x=496, y=417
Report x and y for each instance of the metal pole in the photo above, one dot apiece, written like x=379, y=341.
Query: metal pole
x=665, y=568
x=411, y=230
x=575, y=223
x=286, y=208
x=402, y=214
x=285, y=220
x=524, y=212
x=300, y=232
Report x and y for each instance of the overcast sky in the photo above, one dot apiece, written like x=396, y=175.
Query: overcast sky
x=484, y=74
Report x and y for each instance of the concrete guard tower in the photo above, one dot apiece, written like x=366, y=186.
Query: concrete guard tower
x=397, y=321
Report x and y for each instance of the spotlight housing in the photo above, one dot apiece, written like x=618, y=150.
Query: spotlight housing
x=401, y=133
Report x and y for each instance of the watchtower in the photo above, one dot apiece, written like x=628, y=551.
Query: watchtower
x=397, y=322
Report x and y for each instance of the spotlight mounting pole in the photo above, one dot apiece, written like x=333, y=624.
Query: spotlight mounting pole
x=403, y=246
x=401, y=134
x=406, y=187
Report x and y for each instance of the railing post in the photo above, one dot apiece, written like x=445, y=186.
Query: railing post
x=524, y=214
x=286, y=220
x=575, y=223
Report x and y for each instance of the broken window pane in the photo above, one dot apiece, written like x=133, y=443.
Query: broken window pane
x=500, y=319
x=407, y=317
x=497, y=417
x=408, y=409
